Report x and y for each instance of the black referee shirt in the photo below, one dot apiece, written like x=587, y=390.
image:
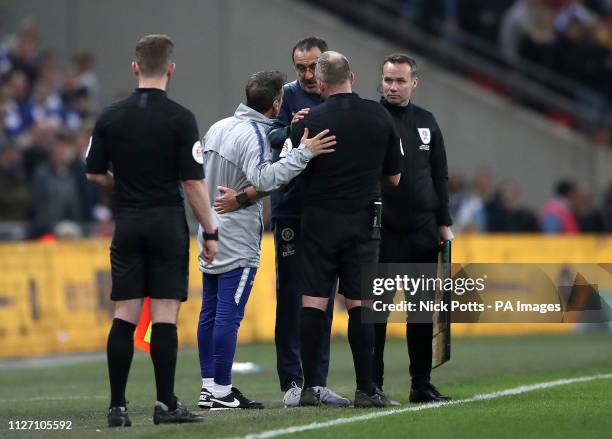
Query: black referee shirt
x=151, y=143
x=424, y=184
x=368, y=147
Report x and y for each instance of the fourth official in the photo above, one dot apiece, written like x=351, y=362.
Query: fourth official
x=415, y=216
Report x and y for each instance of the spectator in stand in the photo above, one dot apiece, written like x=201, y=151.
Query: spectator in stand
x=81, y=88
x=55, y=195
x=574, y=10
x=19, y=118
x=36, y=146
x=47, y=105
x=527, y=27
x=577, y=42
x=15, y=194
x=590, y=219
x=557, y=215
x=470, y=213
x=23, y=51
x=505, y=213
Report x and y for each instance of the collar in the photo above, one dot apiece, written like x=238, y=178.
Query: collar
x=149, y=90
x=247, y=113
x=397, y=108
x=343, y=95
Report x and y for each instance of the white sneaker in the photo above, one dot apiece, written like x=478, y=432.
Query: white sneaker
x=331, y=398
x=292, y=396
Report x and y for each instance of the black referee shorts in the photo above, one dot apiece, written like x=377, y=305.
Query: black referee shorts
x=150, y=254
x=335, y=245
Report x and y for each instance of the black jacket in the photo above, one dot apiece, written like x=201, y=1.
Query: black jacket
x=423, y=186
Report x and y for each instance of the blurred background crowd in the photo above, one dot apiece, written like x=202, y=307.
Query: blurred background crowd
x=47, y=111
x=565, y=45
x=48, y=106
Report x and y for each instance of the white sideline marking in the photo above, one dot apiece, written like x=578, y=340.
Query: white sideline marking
x=50, y=398
x=418, y=408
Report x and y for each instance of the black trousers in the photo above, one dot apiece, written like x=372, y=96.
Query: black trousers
x=289, y=307
x=417, y=246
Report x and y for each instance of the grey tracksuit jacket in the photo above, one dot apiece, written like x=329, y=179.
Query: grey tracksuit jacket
x=237, y=154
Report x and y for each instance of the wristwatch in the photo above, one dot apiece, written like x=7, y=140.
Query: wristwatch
x=214, y=236
x=243, y=199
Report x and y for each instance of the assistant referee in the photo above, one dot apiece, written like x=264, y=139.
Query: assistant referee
x=151, y=144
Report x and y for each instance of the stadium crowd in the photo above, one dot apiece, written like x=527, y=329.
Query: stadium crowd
x=564, y=44
x=47, y=113
x=46, y=116
x=481, y=205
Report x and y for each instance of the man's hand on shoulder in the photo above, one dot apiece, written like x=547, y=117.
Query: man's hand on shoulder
x=319, y=144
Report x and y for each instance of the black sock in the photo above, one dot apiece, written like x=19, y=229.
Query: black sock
x=312, y=328
x=418, y=337
x=164, y=345
x=361, y=339
x=119, y=353
x=378, y=365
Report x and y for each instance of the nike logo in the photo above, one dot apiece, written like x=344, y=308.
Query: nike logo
x=234, y=404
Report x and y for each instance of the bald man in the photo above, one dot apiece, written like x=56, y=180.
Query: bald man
x=341, y=196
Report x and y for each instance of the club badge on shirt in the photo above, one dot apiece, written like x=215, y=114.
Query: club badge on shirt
x=425, y=135
x=287, y=146
x=197, y=153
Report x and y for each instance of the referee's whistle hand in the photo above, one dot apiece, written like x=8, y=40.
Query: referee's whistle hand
x=209, y=250
x=227, y=201
x=319, y=144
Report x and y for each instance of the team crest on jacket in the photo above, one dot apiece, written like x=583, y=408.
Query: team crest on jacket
x=287, y=234
x=425, y=135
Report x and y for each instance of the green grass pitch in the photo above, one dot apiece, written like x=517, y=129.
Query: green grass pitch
x=78, y=392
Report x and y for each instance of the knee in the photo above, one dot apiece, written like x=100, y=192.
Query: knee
x=128, y=310
x=164, y=310
x=314, y=302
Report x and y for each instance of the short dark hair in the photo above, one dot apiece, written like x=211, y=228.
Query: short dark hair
x=305, y=44
x=401, y=58
x=154, y=54
x=333, y=68
x=262, y=88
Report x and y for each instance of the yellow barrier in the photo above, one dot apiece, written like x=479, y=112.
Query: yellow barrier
x=55, y=297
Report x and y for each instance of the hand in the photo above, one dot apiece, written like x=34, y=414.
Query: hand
x=227, y=201
x=446, y=234
x=299, y=115
x=209, y=250
x=318, y=144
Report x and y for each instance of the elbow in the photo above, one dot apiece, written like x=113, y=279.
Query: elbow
x=394, y=180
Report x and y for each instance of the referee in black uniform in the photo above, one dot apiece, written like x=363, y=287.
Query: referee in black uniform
x=415, y=216
x=151, y=144
x=341, y=198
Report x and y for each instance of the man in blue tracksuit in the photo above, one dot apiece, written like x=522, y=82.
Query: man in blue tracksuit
x=298, y=97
